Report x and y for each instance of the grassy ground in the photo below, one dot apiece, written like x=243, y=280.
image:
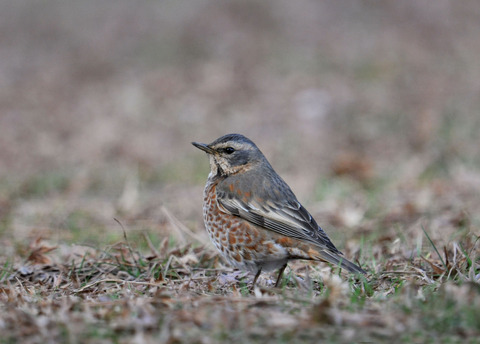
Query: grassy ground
x=368, y=111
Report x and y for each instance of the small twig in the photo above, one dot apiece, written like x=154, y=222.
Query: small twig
x=434, y=247
x=116, y=281
x=399, y=272
x=150, y=245
x=181, y=229
x=191, y=279
x=126, y=240
x=167, y=266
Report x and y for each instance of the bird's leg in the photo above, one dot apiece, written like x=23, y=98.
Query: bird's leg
x=280, y=273
x=256, y=276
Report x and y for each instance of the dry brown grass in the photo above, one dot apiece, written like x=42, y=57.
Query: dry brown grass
x=181, y=294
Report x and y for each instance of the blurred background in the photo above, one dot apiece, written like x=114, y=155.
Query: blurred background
x=368, y=109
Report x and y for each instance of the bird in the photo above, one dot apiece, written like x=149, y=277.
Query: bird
x=252, y=216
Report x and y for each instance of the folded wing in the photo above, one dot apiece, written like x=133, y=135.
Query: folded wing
x=275, y=209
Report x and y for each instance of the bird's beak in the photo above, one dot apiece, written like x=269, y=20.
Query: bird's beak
x=203, y=147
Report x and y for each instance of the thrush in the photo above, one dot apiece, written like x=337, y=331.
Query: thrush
x=252, y=216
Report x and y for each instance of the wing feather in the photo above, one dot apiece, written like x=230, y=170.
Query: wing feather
x=283, y=216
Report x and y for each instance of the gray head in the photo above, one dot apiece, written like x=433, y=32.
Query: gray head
x=232, y=153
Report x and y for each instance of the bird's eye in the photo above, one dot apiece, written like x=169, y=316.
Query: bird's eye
x=229, y=150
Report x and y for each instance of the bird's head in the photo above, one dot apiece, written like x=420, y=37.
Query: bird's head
x=231, y=154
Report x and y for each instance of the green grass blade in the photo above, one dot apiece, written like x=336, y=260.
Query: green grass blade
x=434, y=247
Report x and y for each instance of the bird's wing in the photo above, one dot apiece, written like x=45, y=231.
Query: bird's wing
x=272, y=206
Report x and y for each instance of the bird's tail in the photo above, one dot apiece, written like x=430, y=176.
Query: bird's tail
x=336, y=259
